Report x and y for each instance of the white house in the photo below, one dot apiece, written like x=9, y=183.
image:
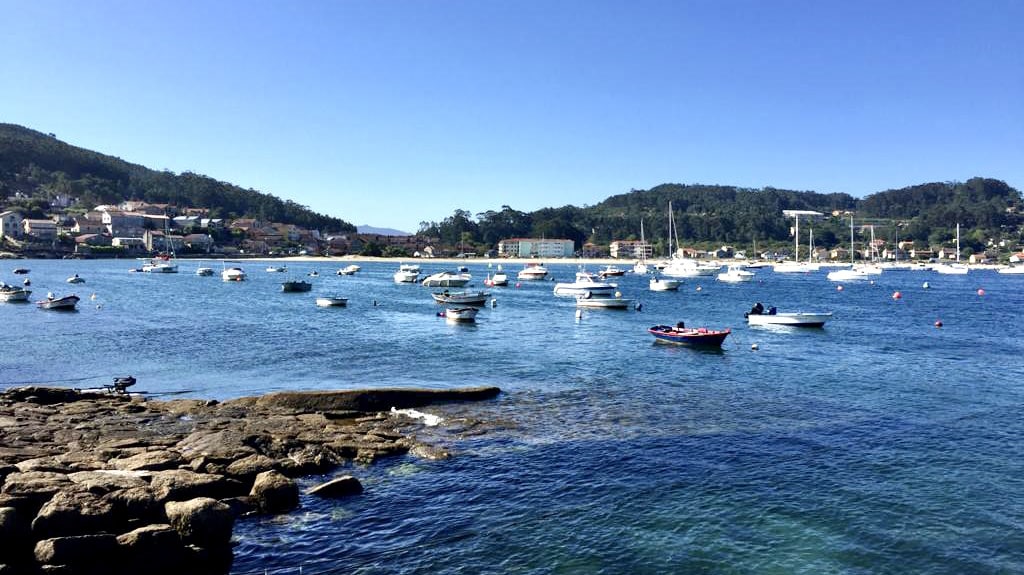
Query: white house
x=10, y=224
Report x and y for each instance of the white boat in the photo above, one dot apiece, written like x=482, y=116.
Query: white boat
x=460, y=314
x=1011, y=270
x=409, y=268
x=951, y=269
x=585, y=283
x=795, y=267
x=75, y=279
x=664, y=284
x=204, y=271
x=446, y=279
x=689, y=268
x=792, y=319
x=348, y=270
x=65, y=303
x=234, y=274
x=331, y=301
x=406, y=277
x=533, y=271
x=856, y=272
x=614, y=301
x=461, y=299
x=735, y=274
x=640, y=267
x=160, y=265
x=499, y=279
x=277, y=269
x=11, y=293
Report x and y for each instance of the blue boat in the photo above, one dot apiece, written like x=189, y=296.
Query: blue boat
x=697, y=337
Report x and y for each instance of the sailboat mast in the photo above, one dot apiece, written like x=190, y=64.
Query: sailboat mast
x=796, y=240
x=851, y=239
x=958, y=242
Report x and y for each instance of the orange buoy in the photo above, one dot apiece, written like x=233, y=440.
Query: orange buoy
x=897, y=295
x=938, y=323
x=981, y=291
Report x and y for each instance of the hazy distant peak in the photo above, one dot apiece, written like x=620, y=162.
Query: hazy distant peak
x=367, y=229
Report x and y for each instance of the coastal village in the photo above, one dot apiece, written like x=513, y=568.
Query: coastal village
x=140, y=229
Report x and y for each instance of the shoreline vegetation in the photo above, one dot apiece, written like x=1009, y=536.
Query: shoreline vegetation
x=112, y=483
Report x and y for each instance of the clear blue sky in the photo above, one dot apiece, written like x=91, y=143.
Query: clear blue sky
x=395, y=112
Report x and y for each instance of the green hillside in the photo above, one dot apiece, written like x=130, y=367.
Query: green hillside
x=42, y=167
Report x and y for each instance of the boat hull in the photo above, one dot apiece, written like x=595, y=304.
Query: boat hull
x=659, y=284
x=792, y=319
x=331, y=301
x=296, y=286
x=693, y=337
x=461, y=314
x=604, y=302
x=66, y=303
x=14, y=295
x=461, y=299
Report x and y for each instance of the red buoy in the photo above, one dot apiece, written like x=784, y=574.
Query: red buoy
x=981, y=291
x=938, y=323
x=897, y=295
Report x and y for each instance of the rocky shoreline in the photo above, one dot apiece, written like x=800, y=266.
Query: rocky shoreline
x=110, y=483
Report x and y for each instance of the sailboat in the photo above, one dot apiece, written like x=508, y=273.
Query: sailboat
x=954, y=268
x=796, y=266
x=680, y=267
x=164, y=263
x=855, y=272
x=640, y=267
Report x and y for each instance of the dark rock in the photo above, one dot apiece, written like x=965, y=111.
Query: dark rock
x=78, y=551
x=339, y=487
x=48, y=395
x=182, y=484
x=73, y=513
x=247, y=468
x=369, y=399
x=158, y=546
x=135, y=506
x=309, y=460
x=272, y=492
x=107, y=480
x=241, y=506
x=15, y=544
x=148, y=461
x=202, y=521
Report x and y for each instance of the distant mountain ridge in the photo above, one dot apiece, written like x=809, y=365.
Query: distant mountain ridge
x=41, y=168
x=367, y=229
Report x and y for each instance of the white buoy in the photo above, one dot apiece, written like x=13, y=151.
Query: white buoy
x=579, y=314
x=925, y=285
x=494, y=302
x=754, y=346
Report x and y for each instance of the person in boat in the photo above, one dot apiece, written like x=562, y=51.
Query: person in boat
x=49, y=295
x=772, y=310
x=758, y=309
x=680, y=326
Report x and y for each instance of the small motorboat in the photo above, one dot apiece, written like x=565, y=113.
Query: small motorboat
x=758, y=315
x=460, y=314
x=313, y=274
x=65, y=303
x=75, y=279
x=463, y=298
x=681, y=335
x=615, y=301
x=446, y=279
x=585, y=283
x=277, y=269
x=349, y=270
x=735, y=274
x=664, y=284
x=331, y=301
x=21, y=271
x=233, y=275
x=611, y=271
x=204, y=271
x=296, y=286
x=499, y=279
x=11, y=293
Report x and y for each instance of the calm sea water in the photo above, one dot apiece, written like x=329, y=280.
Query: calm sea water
x=879, y=444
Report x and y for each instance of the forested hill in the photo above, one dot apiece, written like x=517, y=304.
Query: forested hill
x=42, y=167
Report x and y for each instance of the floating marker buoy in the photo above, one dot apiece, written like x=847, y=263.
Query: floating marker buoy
x=897, y=295
x=494, y=302
x=981, y=291
x=579, y=314
x=618, y=294
x=839, y=288
x=938, y=323
x=99, y=306
x=754, y=347
x=93, y=297
x=872, y=282
x=698, y=288
x=925, y=285
x=517, y=284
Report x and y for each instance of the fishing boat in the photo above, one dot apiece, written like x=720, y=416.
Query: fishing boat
x=460, y=314
x=65, y=303
x=233, y=274
x=663, y=284
x=615, y=301
x=204, y=271
x=532, y=271
x=296, y=286
x=735, y=274
x=75, y=279
x=161, y=264
x=758, y=315
x=696, y=337
x=9, y=293
x=611, y=271
x=331, y=301
x=446, y=279
x=463, y=298
x=277, y=269
x=348, y=270
x=585, y=283
x=21, y=271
